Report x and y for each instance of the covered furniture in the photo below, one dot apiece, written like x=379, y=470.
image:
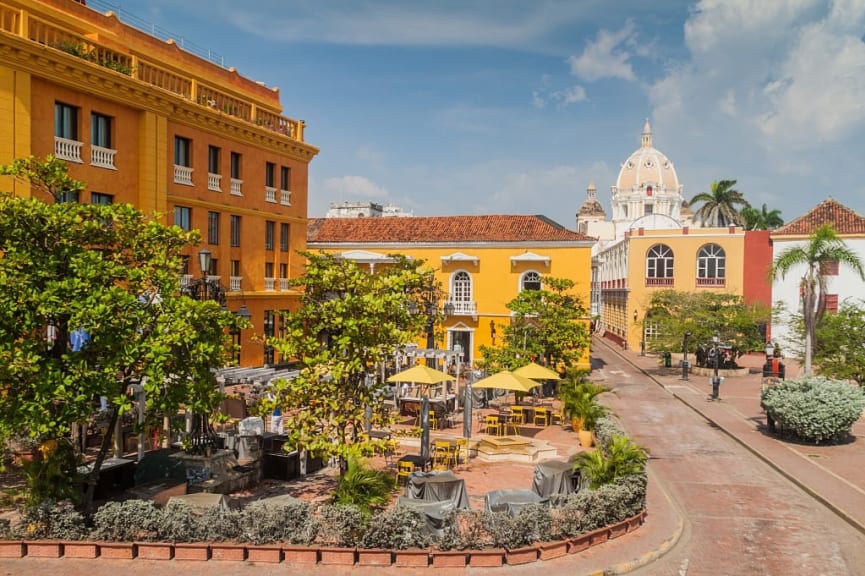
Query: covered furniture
x=202, y=501
x=434, y=494
x=511, y=501
x=555, y=477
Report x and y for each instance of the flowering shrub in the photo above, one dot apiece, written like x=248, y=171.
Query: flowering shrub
x=813, y=408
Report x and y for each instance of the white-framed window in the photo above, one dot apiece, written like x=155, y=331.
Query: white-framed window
x=711, y=262
x=659, y=262
x=530, y=280
x=461, y=290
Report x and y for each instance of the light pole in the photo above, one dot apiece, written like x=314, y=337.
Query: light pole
x=685, y=356
x=716, y=380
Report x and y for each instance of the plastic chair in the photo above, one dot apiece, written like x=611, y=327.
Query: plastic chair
x=557, y=417
x=462, y=448
x=433, y=420
x=403, y=471
x=512, y=425
x=542, y=416
x=441, y=455
x=492, y=425
x=518, y=415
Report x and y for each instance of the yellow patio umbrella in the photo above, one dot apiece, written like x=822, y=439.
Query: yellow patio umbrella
x=537, y=372
x=506, y=380
x=421, y=374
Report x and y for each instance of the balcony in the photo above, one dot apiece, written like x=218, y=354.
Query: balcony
x=283, y=284
x=69, y=150
x=234, y=283
x=268, y=283
x=183, y=175
x=102, y=157
x=285, y=197
x=214, y=182
x=185, y=279
x=236, y=187
x=711, y=282
x=270, y=194
x=652, y=282
x=463, y=307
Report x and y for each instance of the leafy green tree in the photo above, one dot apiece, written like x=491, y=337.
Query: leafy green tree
x=719, y=205
x=550, y=324
x=673, y=313
x=349, y=321
x=824, y=248
x=763, y=219
x=112, y=272
x=840, y=344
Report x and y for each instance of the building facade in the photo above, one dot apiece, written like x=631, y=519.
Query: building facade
x=144, y=122
x=482, y=262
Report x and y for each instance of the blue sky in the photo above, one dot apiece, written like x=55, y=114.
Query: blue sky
x=513, y=107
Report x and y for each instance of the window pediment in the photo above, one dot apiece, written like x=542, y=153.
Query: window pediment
x=530, y=257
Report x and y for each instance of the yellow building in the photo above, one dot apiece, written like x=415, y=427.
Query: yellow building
x=144, y=122
x=482, y=262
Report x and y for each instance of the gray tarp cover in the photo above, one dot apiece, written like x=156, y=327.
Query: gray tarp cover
x=553, y=477
x=201, y=501
x=511, y=501
x=434, y=494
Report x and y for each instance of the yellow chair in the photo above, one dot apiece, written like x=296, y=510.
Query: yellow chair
x=403, y=471
x=511, y=425
x=492, y=425
x=462, y=449
x=518, y=416
x=542, y=416
x=557, y=417
x=433, y=420
x=441, y=455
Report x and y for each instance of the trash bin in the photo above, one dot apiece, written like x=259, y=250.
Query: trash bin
x=668, y=359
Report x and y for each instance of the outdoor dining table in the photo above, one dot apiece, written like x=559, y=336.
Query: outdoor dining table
x=512, y=501
x=555, y=477
x=419, y=462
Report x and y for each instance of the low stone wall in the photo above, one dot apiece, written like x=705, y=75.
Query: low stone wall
x=276, y=553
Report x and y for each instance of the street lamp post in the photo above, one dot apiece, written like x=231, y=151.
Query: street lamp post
x=716, y=380
x=685, y=356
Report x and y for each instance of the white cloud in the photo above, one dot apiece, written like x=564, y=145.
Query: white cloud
x=605, y=57
x=571, y=95
x=351, y=187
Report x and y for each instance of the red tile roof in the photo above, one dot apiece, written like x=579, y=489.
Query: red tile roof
x=830, y=211
x=488, y=228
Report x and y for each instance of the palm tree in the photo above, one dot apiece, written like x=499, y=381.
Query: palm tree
x=824, y=248
x=763, y=219
x=620, y=458
x=719, y=205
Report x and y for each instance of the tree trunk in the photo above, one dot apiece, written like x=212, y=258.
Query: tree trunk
x=93, y=476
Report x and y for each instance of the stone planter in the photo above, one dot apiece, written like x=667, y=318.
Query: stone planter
x=522, y=555
x=155, y=550
x=264, y=554
x=374, y=557
x=44, y=549
x=618, y=529
x=635, y=522
x=117, y=550
x=340, y=556
x=599, y=536
x=411, y=558
x=550, y=550
x=491, y=558
x=197, y=552
x=579, y=543
x=300, y=554
x=74, y=549
x=229, y=552
x=11, y=549
x=449, y=558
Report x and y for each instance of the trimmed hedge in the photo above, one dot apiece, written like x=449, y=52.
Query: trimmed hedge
x=813, y=408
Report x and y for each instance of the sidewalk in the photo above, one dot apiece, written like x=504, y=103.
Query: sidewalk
x=830, y=473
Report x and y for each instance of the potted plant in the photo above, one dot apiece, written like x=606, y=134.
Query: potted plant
x=580, y=405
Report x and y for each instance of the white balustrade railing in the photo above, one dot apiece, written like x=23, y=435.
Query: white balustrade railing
x=183, y=175
x=102, y=157
x=283, y=284
x=234, y=283
x=185, y=279
x=285, y=197
x=464, y=307
x=269, y=194
x=268, y=283
x=69, y=150
x=214, y=182
x=236, y=187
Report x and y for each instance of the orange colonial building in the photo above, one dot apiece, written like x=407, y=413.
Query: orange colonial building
x=482, y=262
x=144, y=122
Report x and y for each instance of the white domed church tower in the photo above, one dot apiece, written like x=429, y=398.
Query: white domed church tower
x=647, y=189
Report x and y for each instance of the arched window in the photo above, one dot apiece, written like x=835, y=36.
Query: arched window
x=711, y=266
x=659, y=266
x=461, y=294
x=530, y=281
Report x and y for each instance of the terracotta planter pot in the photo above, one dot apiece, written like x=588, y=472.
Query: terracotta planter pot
x=300, y=554
x=340, y=556
x=449, y=558
x=155, y=550
x=579, y=543
x=587, y=438
x=374, y=557
x=44, y=549
x=635, y=522
x=523, y=555
x=11, y=549
x=117, y=550
x=413, y=558
x=264, y=554
x=618, y=529
x=599, y=536
x=196, y=552
x=550, y=550
x=229, y=552
x=80, y=549
x=487, y=558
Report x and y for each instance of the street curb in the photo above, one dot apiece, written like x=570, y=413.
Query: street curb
x=759, y=454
